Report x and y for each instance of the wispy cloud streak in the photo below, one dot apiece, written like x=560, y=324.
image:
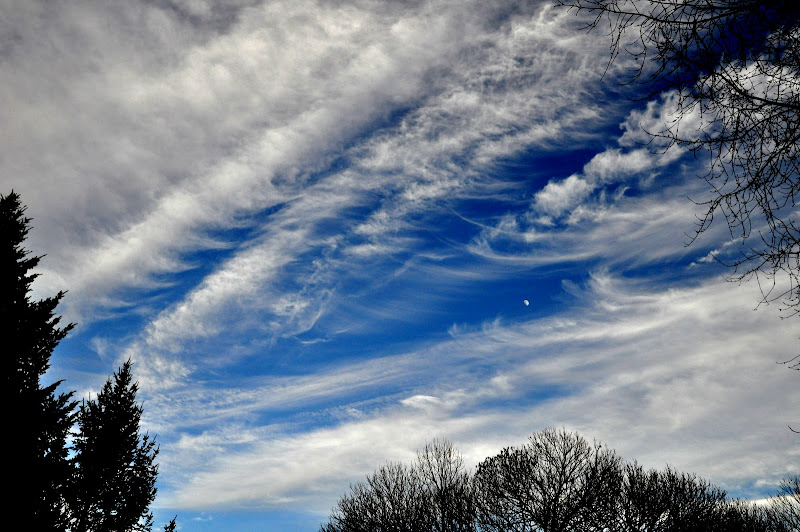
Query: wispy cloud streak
x=630, y=368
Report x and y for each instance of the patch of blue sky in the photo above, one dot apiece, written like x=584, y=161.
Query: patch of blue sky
x=244, y=520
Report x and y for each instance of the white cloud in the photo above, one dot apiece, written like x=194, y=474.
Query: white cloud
x=273, y=133
x=559, y=196
x=612, y=166
x=680, y=376
x=200, y=126
x=646, y=126
x=196, y=129
x=620, y=232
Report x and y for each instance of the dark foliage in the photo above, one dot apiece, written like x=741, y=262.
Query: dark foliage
x=172, y=526
x=106, y=481
x=116, y=471
x=39, y=418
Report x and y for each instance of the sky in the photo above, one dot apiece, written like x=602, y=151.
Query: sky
x=328, y=232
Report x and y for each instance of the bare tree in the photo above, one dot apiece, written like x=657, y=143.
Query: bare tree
x=786, y=503
x=432, y=495
x=447, y=484
x=683, y=502
x=671, y=501
x=643, y=501
x=502, y=493
x=557, y=482
x=735, y=68
x=392, y=499
x=748, y=516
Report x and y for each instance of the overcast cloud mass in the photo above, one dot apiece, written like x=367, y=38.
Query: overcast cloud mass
x=328, y=232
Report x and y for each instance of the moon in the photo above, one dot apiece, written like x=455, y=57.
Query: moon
x=526, y=302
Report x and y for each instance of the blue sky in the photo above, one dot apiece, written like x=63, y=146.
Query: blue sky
x=313, y=227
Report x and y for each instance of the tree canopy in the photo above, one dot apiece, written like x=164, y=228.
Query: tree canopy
x=556, y=482
x=105, y=481
x=40, y=417
x=114, y=481
x=432, y=495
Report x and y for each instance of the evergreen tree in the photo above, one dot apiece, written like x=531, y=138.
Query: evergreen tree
x=40, y=418
x=115, y=465
x=106, y=482
x=172, y=526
